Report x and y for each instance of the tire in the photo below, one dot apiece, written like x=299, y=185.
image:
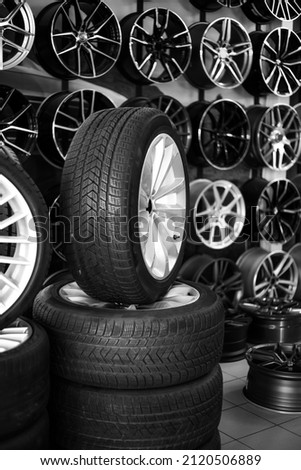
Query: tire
x=36, y=437
x=110, y=347
x=180, y=417
x=102, y=197
x=19, y=283
x=24, y=385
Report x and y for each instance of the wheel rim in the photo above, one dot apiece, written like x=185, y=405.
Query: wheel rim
x=17, y=31
x=18, y=124
x=280, y=60
x=279, y=357
x=266, y=10
x=270, y=306
x=18, y=244
x=15, y=335
x=226, y=53
x=231, y=3
x=218, y=212
x=278, y=211
x=85, y=37
x=57, y=231
x=268, y=274
x=160, y=45
x=178, y=295
x=162, y=206
x=61, y=115
x=277, y=136
x=224, y=134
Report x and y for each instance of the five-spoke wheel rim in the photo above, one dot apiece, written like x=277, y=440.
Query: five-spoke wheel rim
x=17, y=32
x=18, y=244
x=162, y=206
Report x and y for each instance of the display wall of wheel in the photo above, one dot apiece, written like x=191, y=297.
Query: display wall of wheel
x=77, y=38
x=268, y=274
x=274, y=376
x=171, y=341
x=217, y=213
x=180, y=417
x=17, y=31
x=275, y=136
x=156, y=46
x=59, y=117
x=18, y=123
x=125, y=180
x=221, y=133
x=237, y=325
x=276, y=66
x=295, y=253
x=221, y=275
x=176, y=112
x=24, y=247
x=24, y=369
x=264, y=11
x=274, y=320
x=221, y=54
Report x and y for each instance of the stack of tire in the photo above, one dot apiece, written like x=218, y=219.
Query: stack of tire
x=134, y=353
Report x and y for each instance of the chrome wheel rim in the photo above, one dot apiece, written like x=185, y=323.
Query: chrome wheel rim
x=160, y=45
x=224, y=134
x=17, y=31
x=162, y=206
x=18, y=244
x=18, y=123
x=179, y=294
x=267, y=275
x=278, y=211
x=226, y=53
x=13, y=336
x=218, y=212
x=280, y=61
x=86, y=37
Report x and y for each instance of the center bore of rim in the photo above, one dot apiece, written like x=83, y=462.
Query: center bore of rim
x=82, y=37
x=223, y=53
x=277, y=136
x=150, y=206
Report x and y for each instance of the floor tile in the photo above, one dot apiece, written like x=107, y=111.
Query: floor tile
x=227, y=405
x=228, y=377
x=237, y=423
x=235, y=445
x=233, y=392
x=270, y=415
x=236, y=369
x=272, y=439
x=293, y=425
x=225, y=439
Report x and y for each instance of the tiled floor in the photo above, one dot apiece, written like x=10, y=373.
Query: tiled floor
x=246, y=426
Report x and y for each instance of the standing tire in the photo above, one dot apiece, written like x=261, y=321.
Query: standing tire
x=125, y=191
x=173, y=341
x=181, y=417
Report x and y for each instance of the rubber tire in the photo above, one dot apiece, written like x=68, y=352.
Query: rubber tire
x=130, y=349
x=100, y=182
x=13, y=171
x=36, y=437
x=24, y=385
x=181, y=417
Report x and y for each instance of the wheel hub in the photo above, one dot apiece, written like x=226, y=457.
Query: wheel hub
x=223, y=53
x=82, y=37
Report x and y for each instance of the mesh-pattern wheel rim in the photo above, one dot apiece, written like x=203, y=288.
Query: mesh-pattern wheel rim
x=61, y=115
x=162, y=206
x=226, y=53
x=159, y=45
x=14, y=335
x=17, y=32
x=224, y=134
x=85, y=37
x=218, y=213
x=18, y=123
x=267, y=274
x=18, y=244
x=276, y=135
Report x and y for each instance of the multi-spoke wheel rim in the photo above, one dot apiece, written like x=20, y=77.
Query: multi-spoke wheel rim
x=231, y=3
x=268, y=274
x=218, y=213
x=269, y=306
x=17, y=32
x=276, y=136
x=157, y=43
x=280, y=61
x=263, y=11
x=274, y=376
x=162, y=206
x=178, y=295
x=224, y=134
x=18, y=124
x=13, y=336
x=235, y=336
x=83, y=38
x=18, y=244
x=295, y=253
x=61, y=115
x=57, y=229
